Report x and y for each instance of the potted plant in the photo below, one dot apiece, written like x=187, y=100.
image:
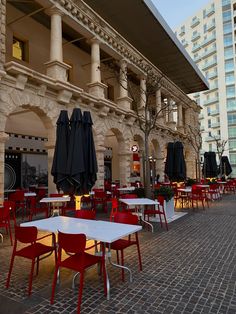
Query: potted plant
x=168, y=193
x=140, y=192
x=190, y=182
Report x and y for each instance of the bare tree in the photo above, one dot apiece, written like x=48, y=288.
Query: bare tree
x=195, y=139
x=220, y=149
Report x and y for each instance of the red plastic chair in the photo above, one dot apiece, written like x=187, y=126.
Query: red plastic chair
x=199, y=194
x=126, y=207
x=5, y=221
x=100, y=198
x=12, y=209
x=158, y=211
x=78, y=260
x=18, y=197
x=33, y=251
x=114, y=208
x=121, y=244
x=214, y=192
x=85, y=214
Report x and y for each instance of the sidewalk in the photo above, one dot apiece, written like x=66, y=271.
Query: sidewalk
x=189, y=269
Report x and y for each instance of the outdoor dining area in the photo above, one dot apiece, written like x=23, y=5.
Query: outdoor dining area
x=82, y=226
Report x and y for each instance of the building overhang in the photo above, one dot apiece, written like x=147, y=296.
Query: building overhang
x=139, y=22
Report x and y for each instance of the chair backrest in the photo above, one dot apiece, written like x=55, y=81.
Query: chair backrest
x=71, y=243
x=127, y=196
x=85, y=214
x=10, y=205
x=56, y=194
x=17, y=196
x=100, y=194
x=26, y=234
x=161, y=200
x=32, y=201
x=114, y=203
x=126, y=218
x=214, y=186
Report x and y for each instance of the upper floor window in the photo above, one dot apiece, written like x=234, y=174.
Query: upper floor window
x=19, y=49
x=229, y=78
x=232, y=118
x=229, y=65
x=229, y=52
x=230, y=91
x=227, y=28
x=226, y=16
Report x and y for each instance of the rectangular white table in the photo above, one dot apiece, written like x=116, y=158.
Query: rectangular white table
x=98, y=230
x=127, y=189
x=56, y=202
x=141, y=203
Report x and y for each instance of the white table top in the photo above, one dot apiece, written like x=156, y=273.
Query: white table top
x=42, y=188
x=55, y=199
x=9, y=191
x=185, y=190
x=128, y=188
x=203, y=185
x=138, y=201
x=93, y=192
x=93, y=229
x=221, y=182
x=27, y=194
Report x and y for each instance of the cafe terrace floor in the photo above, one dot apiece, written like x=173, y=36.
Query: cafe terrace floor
x=189, y=269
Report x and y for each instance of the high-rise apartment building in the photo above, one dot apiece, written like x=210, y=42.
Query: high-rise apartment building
x=210, y=38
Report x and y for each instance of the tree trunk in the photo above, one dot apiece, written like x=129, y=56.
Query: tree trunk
x=147, y=187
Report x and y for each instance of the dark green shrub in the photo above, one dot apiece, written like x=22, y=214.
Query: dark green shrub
x=140, y=192
x=166, y=191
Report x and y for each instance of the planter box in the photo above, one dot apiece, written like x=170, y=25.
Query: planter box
x=169, y=208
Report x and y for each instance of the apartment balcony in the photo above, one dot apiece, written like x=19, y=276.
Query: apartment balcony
x=209, y=52
x=215, y=125
x=210, y=26
x=197, y=59
x=195, y=22
x=195, y=36
x=209, y=65
x=213, y=86
x=211, y=101
x=210, y=11
x=201, y=116
x=196, y=95
x=185, y=44
x=211, y=139
x=212, y=75
x=209, y=40
x=196, y=48
x=215, y=112
x=202, y=128
x=182, y=32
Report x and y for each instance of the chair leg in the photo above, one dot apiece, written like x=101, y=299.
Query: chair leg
x=104, y=271
x=139, y=253
x=54, y=284
x=160, y=220
x=31, y=277
x=10, y=270
x=164, y=214
x=37, y=266
x=117, y=257
x=81, y=283
x=9, y=227
x=122, y=263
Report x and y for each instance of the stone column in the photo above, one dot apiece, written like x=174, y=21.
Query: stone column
x=180, y=126
x=170, y=114
x=56, y=68
x=125, y=167
x=123, y=100
x=3, y=37
x=50, y=147
x=158, y=106
x=100, y=161
x=96, y=87
x=3, y=138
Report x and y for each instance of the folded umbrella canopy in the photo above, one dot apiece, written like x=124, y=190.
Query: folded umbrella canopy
x=210, y=166
x=169, y=165
x=225, y=167
x=90, y=159
x=59, y=171
x=179, y=168
x=75, y=161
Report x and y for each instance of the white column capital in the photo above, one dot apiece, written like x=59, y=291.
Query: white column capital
x=94, y=40
x=54, y=11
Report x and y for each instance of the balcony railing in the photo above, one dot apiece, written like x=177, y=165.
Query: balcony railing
x=201, y=116
x=196, y=48
x=210, y=26
x=209, y=40
x=208, y=52
x=211, y=139
x=195, y=36
x=211, y=100
x=195, y=22
x=210, y=11
x=209, y=65
x=215, y=125
x=212, y=75
x=215, y=112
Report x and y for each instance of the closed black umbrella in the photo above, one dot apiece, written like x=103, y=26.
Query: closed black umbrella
x=210, y=166
x=59, y=172
x=225, y=167
x=169, y=165
x=91, y=168
x=75, y=161
x=179, y=168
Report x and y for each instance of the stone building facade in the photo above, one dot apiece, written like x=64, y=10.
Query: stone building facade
x=65, y=66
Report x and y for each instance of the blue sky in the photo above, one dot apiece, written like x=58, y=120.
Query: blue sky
x=177, y=11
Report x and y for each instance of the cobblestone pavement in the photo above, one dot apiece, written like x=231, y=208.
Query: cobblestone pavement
x=189, y=269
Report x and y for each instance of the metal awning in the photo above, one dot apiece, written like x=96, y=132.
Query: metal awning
x=142, y=25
